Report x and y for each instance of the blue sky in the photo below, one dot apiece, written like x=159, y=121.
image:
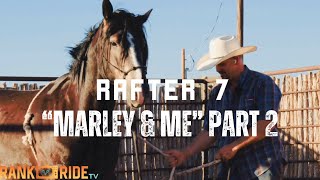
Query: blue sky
x=35, y=34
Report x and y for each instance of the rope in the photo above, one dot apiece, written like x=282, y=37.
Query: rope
x=26, y=142
x=151, y=145
x=198, y=168
x=125, y=73
x=229, y=173
x=172, y=174
x=160, y=151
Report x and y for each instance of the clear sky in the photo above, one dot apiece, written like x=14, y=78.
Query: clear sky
x=35, y=34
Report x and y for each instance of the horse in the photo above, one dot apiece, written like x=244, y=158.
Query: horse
x=13, y=106
x=115, y=49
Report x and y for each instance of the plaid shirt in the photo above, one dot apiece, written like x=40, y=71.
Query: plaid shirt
x=255, y=91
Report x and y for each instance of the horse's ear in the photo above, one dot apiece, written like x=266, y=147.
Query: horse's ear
x=143, y=18
x=107, y=9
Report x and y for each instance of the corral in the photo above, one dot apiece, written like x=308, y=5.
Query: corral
x=299, y=123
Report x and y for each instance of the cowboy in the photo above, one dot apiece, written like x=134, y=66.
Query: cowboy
x=244, y=157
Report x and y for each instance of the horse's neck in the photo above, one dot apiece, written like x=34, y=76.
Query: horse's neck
x=89, y=74
x=87, y=89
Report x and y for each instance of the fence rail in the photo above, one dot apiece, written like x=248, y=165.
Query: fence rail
x=26, y=78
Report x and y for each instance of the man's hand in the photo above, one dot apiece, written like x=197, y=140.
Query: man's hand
x=176, y=157
x=202, y=141
x=226, y=153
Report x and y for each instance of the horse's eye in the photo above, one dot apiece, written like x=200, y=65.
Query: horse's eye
x=113, y=43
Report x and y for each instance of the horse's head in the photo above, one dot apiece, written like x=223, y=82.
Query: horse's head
x=121, y=49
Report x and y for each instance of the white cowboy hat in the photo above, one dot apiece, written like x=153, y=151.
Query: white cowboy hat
x=221, y=49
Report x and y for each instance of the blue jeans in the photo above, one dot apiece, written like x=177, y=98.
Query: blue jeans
x=268, y=175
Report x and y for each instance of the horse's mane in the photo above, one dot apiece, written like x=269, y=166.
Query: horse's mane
x=121, y=19
x=79, y=52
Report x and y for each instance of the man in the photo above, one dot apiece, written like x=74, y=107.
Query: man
x=245, y=157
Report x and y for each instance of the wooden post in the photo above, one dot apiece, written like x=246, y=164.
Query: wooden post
x=240, y=22
x=183, y=63
x=134, y=136
x=3, y=86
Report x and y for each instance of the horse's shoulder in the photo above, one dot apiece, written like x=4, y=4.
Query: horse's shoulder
x=51, y=95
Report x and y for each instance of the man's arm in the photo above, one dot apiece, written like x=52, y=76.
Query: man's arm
x=201, y=142
x=229, y=151
x=267, y=98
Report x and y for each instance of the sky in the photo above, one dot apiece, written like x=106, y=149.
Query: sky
x=35, y=34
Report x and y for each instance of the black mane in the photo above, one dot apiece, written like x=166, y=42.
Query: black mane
x=79, y=52
x=121, y=20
